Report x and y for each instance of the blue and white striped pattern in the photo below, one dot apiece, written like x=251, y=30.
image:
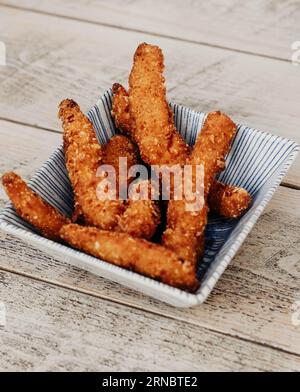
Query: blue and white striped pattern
x=257, y=161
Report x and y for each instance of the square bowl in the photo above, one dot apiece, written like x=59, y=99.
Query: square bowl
x=257, y=161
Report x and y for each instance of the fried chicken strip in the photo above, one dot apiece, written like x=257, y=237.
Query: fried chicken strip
x=139, y=255
x=185, y=230
x=120, y=109
x=83, y=156
x=32, y=208
x=120, y=146
x=159, y=142
x=141, y=217
x=226, y=200
x=153, y=127
x=153, y=130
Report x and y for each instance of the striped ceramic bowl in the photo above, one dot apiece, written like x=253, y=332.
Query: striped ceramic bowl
x=257, y=161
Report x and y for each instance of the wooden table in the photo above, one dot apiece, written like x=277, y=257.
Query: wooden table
x=231, y=55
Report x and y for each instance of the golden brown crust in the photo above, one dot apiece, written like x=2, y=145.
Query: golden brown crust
x=154, y=131
x=184, y=234
x=120, y=146
x=228, y=200
x=120, y=109
x=139, y=255
x=141, y=217
x=32, y=208
x=83, y=156
x=153, y=128
x=212, y=145
x=160, y=144
x=185, y=229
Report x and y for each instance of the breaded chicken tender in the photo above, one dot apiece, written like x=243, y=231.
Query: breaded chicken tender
x=153, y=126
x=83, y=156
x=32, y=208
x=120, y=146
x=185, y=229
x=226, y=200
x=120, y=109
x=141, y=217
x=139, y=255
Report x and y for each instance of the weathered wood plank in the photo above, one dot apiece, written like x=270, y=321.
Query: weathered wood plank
x=265, y=27
x=252, y=300
x=49, y=60
x=109, y=336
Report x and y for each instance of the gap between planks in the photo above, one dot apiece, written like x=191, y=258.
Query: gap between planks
x=151, y=311
x=146, y=32
x=29, y=125
x=39, y=337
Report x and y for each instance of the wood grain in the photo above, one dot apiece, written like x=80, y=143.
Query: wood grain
x=63, y=318
x=265, y=27
x=252, y=300
x=81, y=60
x=53, y=329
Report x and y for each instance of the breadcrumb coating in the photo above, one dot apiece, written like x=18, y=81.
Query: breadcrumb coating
x=141, y=217
x=136, y=254
x=226, y=200
x=153, y=127
x=83, y=156
x=120, y=109
x=185, y=229
x=154, y=130
x=32, y=208
x=120, y=146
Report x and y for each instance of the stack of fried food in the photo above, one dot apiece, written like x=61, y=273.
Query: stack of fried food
x=120, y=231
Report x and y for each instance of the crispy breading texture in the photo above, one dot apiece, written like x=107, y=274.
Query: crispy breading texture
x=120, y=146
x=32, y=208
x=141, y=217
x=228, y=200
x=153, y=126
x=185, y=229
x=212, y=145
x=139, y=255
x=83, y=156
x=120, y=109
x=153, y=130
